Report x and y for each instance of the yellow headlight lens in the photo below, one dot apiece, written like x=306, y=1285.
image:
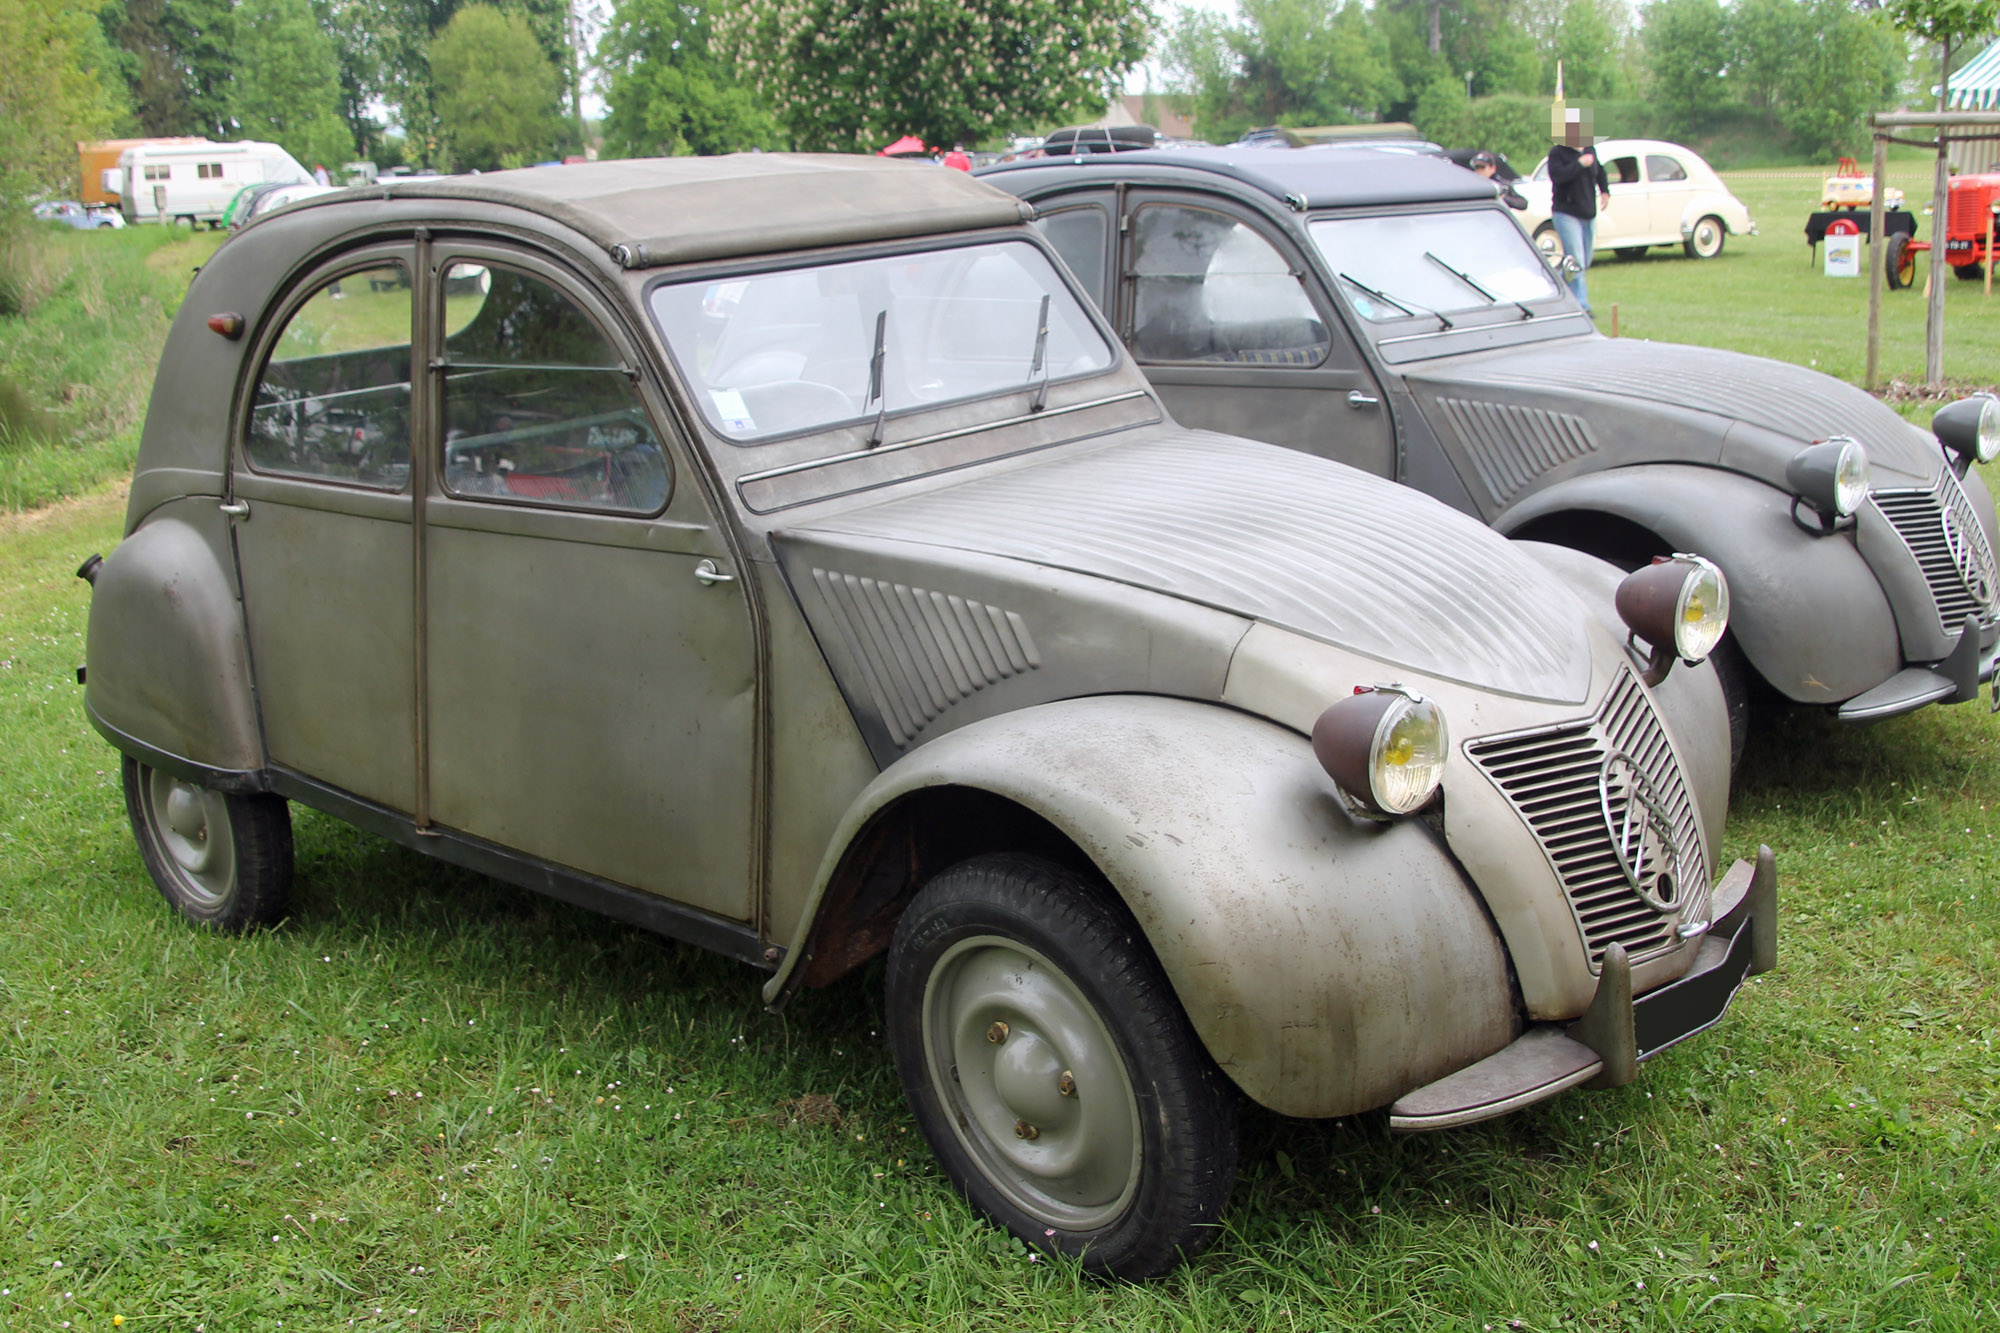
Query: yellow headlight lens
x=1406, y=763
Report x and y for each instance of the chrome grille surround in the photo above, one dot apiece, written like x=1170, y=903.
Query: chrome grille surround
x=1551, y=777
x=1918, y=516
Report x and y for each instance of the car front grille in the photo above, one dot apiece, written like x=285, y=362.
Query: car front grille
x=1918, y=517
x=1553, y=777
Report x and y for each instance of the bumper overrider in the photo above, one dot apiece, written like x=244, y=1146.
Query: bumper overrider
x=1603, y=1048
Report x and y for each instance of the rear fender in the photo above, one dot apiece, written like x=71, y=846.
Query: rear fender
x=1808, y=612
x=1328, y=964
x=168, y=678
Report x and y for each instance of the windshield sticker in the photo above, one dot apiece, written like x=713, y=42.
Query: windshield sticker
x=729, y=406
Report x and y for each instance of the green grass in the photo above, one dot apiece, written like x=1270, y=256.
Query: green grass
x=85, y=315
x=432, y=1102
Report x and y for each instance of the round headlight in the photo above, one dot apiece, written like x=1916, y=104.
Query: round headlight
x=1385, y=746
x=1681, y=604
x=1831, y=476
x=1970, y=426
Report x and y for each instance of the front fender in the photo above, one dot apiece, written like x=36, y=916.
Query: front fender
x=1328, y=964
x=167, y=669
x=1808, y=612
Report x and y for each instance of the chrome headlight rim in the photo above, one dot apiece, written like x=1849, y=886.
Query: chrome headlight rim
x=1355, y=740
x=1831, y=475
x=1973, y=434
x=1678, y=606
x=1695, y=639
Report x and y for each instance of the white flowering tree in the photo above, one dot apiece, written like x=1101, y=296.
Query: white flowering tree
x=855, y=74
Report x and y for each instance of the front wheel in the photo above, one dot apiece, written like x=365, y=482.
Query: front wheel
x=1053, y=1071
x=223, y=861
x=1548, y=242
x=1706, y=240
x=1899, y=261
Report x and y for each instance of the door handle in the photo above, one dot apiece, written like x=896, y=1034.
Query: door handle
x=236, y=508
x=708, y=573
x=1358, y=399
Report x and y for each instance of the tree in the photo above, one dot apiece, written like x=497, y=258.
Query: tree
x=288, y=82
x=667, y=92
x=854, y=74
x=52, y=93
x=497, y=92
x=177, y=60
x=1688, y=49
x=1292, y=62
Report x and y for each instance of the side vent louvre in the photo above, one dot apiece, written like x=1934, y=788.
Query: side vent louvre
x=1510, y=446
x=922, y=651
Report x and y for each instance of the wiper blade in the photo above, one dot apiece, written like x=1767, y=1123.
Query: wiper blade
x=1466, y=278
x=1039, y=364
x=1407, y=308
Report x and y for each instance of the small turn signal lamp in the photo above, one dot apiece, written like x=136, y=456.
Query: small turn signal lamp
x=1832, y=477
x=1970, y=427
x=1385, y=747
x=1679, y=607
x=229, y=326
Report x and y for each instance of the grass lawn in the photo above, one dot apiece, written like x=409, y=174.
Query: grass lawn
x=433, y=1102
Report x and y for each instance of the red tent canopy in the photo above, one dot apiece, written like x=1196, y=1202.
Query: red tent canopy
x=907, y=146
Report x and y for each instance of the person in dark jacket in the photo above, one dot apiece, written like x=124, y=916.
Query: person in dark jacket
x=1488, y=165
x=1578, y=188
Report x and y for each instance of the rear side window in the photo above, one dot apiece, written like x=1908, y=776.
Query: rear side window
x=1207, y=288
x=1664, y=168
x=333, y=399
x=1079, y=236
x=538, y=406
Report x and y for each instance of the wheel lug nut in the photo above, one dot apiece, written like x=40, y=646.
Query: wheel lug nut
x=1066, y=1085
x=997, y=1033
x=1024, y=1130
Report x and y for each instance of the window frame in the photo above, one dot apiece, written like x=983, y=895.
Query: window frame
x=279, y=318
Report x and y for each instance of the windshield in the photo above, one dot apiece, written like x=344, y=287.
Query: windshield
x=772, y=354
x=1408, y=262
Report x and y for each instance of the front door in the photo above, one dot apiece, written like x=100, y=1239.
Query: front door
x=589, y=670
x=1627, y=222
x=1217, y=311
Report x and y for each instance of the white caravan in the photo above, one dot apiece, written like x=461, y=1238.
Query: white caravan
x=194, y=182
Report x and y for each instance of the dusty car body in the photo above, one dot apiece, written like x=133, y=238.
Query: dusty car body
x=1661, y=194
x=834, y=583
x=1259, y=292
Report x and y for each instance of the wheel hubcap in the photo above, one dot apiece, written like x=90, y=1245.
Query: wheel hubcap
x=1048, y=1111
x=191, y=825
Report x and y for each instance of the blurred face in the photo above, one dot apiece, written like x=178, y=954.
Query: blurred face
x=1485, y=169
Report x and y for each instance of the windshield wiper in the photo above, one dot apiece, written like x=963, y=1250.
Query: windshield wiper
x=1407, y=308
x=876, y=389
x=1039, y=363
x=1466, y=278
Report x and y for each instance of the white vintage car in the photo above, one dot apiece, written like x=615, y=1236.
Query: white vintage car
x=1661, y=194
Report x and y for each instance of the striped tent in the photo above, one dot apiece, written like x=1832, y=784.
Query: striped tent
x=1976, y=87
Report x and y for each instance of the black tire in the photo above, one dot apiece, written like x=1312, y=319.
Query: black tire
x=1707, y=238
x=1898, y=262
x=1972, y=272
x=223, y=861
x=1007, y=976
x=1733, y=673
x=1630, y=252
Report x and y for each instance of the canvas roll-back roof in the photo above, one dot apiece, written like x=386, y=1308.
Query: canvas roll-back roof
x=650, y=212
x=1334, y=176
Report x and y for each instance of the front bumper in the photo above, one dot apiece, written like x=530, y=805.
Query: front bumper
x=1605, y=1046
x=1956, y=680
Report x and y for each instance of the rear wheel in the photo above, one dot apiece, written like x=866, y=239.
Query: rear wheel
x=1733, y=674
x=1707, y=238
x=224, y=861
x=1899, y=261
x=1629, y=252
x=1053, y=1071
x=1972, y=272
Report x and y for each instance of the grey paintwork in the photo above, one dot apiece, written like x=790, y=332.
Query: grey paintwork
x=1104, y=636
x=1542, y=427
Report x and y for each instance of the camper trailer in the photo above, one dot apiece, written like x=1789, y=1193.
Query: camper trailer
x=193, y=182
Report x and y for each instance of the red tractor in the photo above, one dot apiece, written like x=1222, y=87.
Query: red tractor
x=1968, y=232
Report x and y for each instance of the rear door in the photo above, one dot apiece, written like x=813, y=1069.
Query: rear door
x=1668, y=192
x=1218, y=309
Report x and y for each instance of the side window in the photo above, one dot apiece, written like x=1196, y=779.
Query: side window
x=1624, y=171
x=1079, y=235
x=333, y=400
x=1207, y=288
x=1660, y=168
x=538, y=408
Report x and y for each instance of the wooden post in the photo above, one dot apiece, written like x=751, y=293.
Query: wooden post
x=1614, y=318
x=1877, y=249
x=1940, y=230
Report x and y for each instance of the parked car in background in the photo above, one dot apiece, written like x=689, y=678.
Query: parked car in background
x=777, y=552
x=268, y=201
x=194, y=181
x=1384, y=310
x=70, y=213
x=1661, y=194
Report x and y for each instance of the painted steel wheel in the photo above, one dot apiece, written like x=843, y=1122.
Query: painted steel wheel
x=1899, y=261
x=1707, y=238
x=1052, y=1069
x=224, y=861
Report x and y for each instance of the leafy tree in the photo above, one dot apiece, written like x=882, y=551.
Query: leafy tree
x=496, y=89
x=52, y=93
x=1688, y=48
x=177, y=61
x=667, y=92
x=1293, y=62
x=288, y=82
x=1843, y=64
x=856, y=73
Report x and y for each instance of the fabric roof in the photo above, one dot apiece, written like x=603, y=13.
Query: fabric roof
x=1327, y=177
x=650, y=212
x=1977, y=86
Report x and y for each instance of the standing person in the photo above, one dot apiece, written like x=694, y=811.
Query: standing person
x=1578, y=188
x=320, y=175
